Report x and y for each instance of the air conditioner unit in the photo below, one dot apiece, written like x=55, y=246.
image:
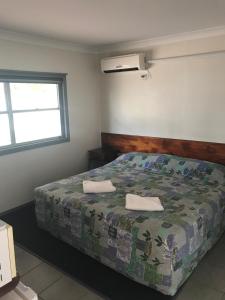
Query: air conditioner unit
x=124, y=63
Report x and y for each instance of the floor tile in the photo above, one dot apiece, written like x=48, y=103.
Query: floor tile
x=193, y=290
x=41, y=277
x=25, y=261
x=215, y=257
x=91, y=296
x=212, y=276
x=66, y=289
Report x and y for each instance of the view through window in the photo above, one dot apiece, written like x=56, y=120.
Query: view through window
x=31, y=112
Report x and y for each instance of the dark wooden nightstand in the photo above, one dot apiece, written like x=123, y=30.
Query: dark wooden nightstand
x=99, y=157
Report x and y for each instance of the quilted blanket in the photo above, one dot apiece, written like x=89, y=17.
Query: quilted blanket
x=157, y=249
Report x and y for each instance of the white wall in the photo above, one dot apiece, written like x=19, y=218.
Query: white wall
x=22, y=171
x=184, y=99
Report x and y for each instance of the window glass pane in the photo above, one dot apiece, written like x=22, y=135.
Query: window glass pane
x=4, y=130
x=33, y=95
x=2, y=98
x=30, y=126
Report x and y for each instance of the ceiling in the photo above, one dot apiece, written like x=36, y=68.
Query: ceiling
x=103, y=22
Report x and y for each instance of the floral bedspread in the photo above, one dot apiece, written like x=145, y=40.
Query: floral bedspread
x=157, y=249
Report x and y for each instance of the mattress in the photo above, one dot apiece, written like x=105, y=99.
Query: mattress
x=157, y=249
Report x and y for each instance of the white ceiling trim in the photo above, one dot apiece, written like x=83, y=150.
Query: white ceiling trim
x=148, y=43
x=124, y=46
x=44, y=41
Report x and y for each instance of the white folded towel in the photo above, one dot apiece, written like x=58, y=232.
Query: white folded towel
x=104, y=186
x=135, y=202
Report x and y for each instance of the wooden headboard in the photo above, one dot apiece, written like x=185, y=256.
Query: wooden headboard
x=214, y=152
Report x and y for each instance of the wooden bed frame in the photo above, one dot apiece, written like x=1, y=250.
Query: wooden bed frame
x=214, y=152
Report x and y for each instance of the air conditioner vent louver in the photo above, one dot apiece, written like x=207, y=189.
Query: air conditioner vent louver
x=121, y=70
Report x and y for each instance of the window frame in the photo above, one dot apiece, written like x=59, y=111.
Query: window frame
x=9, y=76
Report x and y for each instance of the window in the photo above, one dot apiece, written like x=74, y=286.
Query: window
x=33, y=110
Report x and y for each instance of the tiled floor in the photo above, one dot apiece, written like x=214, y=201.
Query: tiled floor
x=206, y=283
x=48, y=282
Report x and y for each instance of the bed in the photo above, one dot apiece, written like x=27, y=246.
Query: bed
x=157, y=249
